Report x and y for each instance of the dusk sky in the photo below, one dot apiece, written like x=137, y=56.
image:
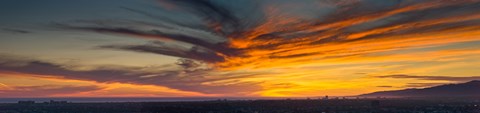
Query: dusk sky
x=234, y=48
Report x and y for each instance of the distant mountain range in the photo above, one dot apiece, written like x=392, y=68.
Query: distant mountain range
x=468, y=89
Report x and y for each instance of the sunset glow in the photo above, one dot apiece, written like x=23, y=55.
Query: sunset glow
x=244, y=48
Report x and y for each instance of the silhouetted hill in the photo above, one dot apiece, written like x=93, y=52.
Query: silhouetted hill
x=468, y=89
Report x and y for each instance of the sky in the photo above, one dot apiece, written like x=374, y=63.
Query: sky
x=234, y=48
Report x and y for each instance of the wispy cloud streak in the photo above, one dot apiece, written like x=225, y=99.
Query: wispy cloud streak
x=440, y=78
x=225, y=45
x=298, y=39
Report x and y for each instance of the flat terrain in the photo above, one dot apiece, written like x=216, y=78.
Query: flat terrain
x=256, y=106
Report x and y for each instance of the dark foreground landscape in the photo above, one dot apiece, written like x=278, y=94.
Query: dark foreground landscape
x=438, y=105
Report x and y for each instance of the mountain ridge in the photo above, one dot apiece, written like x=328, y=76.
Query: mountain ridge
x=467, y=89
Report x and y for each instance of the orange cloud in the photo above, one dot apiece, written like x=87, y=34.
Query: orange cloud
x=19, y=84
x=281, y=55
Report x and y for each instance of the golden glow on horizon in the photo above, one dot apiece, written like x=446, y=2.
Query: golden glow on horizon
x=307, y=66
x=10, y=80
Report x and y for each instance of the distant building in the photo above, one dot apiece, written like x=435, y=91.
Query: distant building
x=26, y=102
x=57, y=102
